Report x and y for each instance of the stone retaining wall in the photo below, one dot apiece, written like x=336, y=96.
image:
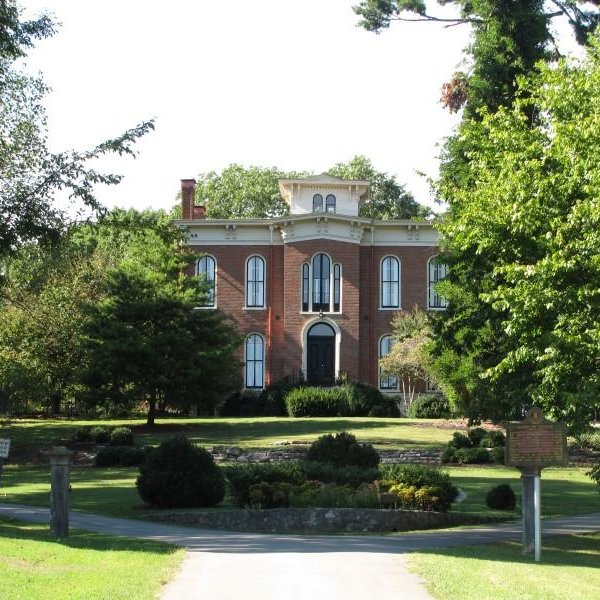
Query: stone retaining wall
x=317, y=520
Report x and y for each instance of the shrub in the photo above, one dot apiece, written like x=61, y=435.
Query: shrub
x=459, y=440
x=342, y=450
x=101, y=435
x=270, y=495
x=493, y=439
x=81, y=435
x=466, y=456
x=589, y=440
x=121, y=436
x=241, y=478
x=132, y=457
x=501, y=497
x=348, y=475
x=316, y=402
x=361, y=398
x=330, y=495
x=498, y=455
x=429, y=406
x=387, y=409
x=438, y=484
x=475, y=435
x=179, y=474
x=108, y=457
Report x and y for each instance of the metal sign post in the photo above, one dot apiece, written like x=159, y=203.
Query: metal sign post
x=531, y=445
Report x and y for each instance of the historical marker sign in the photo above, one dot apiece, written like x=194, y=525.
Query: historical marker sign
x=536, y=442
x=4, y=447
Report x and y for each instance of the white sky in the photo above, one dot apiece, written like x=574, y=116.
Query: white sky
x=286, y=83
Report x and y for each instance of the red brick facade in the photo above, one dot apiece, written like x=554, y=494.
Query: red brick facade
x=282, y=324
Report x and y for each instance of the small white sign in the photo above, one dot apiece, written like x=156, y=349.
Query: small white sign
x=4, y=448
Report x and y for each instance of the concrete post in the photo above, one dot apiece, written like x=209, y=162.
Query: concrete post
x=528, y=477
x=59, y=494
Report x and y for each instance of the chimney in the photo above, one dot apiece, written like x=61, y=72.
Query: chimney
x=188, y=189
x=199, y=212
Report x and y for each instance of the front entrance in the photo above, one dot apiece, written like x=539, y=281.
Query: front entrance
x=320, y=355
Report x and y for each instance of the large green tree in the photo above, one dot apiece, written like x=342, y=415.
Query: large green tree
x=31, y=177
x=239, y=192
x=146, y=340
x=532, y=228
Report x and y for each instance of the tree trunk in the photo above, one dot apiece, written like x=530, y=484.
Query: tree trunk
x=151, y=411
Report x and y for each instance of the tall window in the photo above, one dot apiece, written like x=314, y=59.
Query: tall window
x=321, y=285
x=437, y=272
x=330, y=203
x=390, y=282
x=205, y=269
x=386, y=382
x=255, y=282
x=317, y=203
x=255, y=361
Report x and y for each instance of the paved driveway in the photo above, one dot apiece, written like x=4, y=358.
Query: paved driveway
x=224, y=565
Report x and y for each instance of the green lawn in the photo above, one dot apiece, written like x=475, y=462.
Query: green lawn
x=569, y=570
x=86, y=566
x=256, y=432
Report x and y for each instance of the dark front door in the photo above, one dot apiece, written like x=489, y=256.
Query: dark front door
x=320, y=358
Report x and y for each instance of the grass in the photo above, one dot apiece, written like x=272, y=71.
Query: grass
x=565, y=491
x=86, y=565
x=28, y=435
x=568, y=569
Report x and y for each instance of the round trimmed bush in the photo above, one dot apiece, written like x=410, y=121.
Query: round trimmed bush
x=121, y=436
x=501, y=497
x=459, y=440
x=429, y=406
x=101, y=435
x=493, y=439
x=342, y=450
x=476, y=434
x=81, y=435
x=179, y=474
x=132, y=457
x=109, y=456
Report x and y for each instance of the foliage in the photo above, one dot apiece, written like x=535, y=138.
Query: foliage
x=270, y=495
x=386, y=409
x=31, y=176
x=408, y=358
x=242, y=192
x=434, y=482
x=594, y=473
x=413, y=498
x=501, y=497
x=588, y=439
x=269, y=402
x=109, y=456
x=478, y=446
x=522, y=323
x=240, y=478
x=145, y=340
x=388, y=198
x=348, y=399
x=330, y=495
x=342, y=449
x=100, y=434
x=346, y=475
x=429, y=406
x=178, y=474
x=121, y=436
x=81, y=435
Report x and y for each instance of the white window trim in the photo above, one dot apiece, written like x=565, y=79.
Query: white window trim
x=384, y=390
x=264, y=305
x=399, y=307
x=428, y=291
x=213, y=306
x=332, y=264
x=262, y=362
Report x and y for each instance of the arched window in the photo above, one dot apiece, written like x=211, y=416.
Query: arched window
x=390, y=282
x=321, y=284
x=317, y=203
x=436, y=272
x=386, y=382
x=206, y=269
x=255, y=281
x=330, y=203
x=255, y=361
x=321, y=266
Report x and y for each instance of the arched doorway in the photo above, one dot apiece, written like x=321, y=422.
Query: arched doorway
x=320, y=355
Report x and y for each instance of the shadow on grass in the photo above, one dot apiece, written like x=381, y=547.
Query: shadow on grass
x=82, y=539
x=578, y=550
